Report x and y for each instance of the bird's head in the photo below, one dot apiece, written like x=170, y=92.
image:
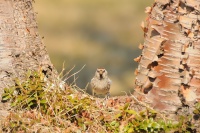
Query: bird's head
x=101, y=73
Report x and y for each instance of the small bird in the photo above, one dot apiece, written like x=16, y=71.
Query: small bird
x=100, y=83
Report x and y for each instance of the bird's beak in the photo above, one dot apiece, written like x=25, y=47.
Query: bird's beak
x=101, y=75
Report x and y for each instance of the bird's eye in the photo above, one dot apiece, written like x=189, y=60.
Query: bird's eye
x=103, y=71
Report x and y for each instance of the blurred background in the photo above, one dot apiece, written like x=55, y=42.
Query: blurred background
x=94, y=33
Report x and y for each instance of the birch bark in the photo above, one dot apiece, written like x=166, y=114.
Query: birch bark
x=168, y=75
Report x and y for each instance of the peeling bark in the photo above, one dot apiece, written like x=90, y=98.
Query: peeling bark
x=21, y=47
x=168, y=75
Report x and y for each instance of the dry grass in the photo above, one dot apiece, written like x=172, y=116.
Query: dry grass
x=39, y=105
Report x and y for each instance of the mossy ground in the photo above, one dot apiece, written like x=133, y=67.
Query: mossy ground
x=39, y=105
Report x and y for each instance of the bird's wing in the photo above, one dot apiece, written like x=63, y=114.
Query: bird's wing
x=92, y=83
x=109, y=83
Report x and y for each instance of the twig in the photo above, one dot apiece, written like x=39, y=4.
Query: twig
x=75, y=73
x=62, y=69
x=141, y=103
x=68, y=72
x=147, y=106
x=124, y=92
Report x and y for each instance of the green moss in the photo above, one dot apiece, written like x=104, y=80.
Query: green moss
x=41, y=105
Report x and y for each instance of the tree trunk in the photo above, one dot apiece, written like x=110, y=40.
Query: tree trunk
x=21, y=47
x=168, y=75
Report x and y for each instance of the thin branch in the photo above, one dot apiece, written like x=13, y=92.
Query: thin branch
x=74, y=73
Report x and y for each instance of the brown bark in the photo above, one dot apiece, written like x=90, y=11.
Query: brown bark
x=21, y=47
x=168, y=75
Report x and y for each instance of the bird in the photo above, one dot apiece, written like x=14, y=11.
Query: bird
x=100, y=83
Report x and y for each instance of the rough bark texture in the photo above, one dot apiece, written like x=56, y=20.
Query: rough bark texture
x=21, y=47
x=168, y=75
